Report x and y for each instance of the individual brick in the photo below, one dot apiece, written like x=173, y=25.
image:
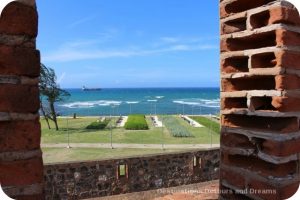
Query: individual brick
x=267, y=146
x=277, y=124
x=285, y=37
x=260, y=167
x=19, y=19
x=237, y=6
x=236, y=140
x=19, y=61
x=288, y=59
x=234, y=64
x=287, y=82
x=19, y=135
x=281, y=148
x=275, y=15
x=22, y=172
x=19, y=98
x=286, y=104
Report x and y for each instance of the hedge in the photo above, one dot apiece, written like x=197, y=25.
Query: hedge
x=98, y=125
x=136, y=122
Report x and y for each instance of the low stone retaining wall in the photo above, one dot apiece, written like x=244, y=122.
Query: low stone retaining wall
x=79, y=180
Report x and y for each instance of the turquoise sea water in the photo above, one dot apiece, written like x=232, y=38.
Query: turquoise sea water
x=141, y=100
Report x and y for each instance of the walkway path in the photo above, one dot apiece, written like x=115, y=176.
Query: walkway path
x=130, y=146
x=191, y=121
x=199, y=191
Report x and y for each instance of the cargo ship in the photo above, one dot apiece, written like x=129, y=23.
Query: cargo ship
x=90, y=89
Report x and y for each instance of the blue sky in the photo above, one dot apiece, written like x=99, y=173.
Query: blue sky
x=130, y=43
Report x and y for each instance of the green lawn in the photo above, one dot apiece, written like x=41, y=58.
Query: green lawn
x=205, y=121
x=79, y=134
x=51, y=155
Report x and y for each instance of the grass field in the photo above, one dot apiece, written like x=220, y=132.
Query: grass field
x=79, y=134
x=51, y=155
x=205, y=121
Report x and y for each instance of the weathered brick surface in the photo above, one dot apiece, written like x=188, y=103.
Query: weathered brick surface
x=19, y=98
x=276, y=124
x=21, y=165
x=19, y=19
x=287, y=82
x=288, y=59
x=260, y=99
x=260, y=167
x=100, y=178
x=286, y=104
x=248, y=186
x=19, y=135
x=236, y=6
x=279, y=148
x=19, y=61
x=22, y=172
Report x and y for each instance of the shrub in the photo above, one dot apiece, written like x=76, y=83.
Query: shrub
x=174, y=127
x=98, y=125
x=136, y=122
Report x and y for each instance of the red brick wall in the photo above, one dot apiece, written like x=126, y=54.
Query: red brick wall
x=260, y=106
x=21, y=165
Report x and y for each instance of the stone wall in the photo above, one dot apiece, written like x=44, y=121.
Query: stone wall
x=21, y=165
x=260, y=97
x=109, y=177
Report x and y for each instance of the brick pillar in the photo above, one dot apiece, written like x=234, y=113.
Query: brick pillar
x=21, y=165
x=260, y=99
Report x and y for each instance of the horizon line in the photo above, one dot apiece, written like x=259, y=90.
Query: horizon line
x=192, y=87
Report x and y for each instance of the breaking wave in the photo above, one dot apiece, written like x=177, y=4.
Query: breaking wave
x=90, y=104
x=211, y=103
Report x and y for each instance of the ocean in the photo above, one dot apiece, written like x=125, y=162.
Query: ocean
x=192, y=101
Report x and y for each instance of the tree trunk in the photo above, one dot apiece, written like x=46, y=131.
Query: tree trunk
x=53, y=113
x=45, y=116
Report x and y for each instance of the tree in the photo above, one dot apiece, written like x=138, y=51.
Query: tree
x=50, y=91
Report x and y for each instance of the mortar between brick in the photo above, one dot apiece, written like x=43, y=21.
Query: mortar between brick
x=265, y=29
x=275, y=181
x=266, y=113
x=277, y=136
x=259, y=154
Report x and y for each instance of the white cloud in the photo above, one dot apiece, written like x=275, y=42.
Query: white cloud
x=170, y=39
x=81, y=21
x=66, y=55
x=89, y=49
